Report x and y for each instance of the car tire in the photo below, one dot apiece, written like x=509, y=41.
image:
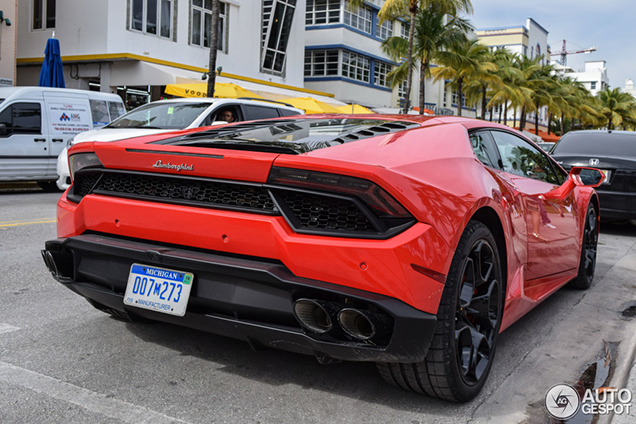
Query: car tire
x=48, y=186
x=589, y=248
x=468, y=320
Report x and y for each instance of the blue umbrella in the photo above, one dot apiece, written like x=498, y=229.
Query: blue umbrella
x=51, y=74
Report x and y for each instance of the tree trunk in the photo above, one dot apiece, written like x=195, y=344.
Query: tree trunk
x=214, y=44
x=506, y=113
x=423, y=86
x=522, y=118
x=409, y=78
x=499, y=119
x=483, y=103
x=514, y=117
x=549, y=122
x=562, y=123
x=536, y=122
x=459, y=96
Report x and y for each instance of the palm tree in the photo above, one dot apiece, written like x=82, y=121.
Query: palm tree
x=434, y=31
x=460, y=63
x=542, y=85
x=617, y=106
x=392, y=8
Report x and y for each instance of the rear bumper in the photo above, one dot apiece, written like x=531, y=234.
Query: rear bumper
x=240, y=297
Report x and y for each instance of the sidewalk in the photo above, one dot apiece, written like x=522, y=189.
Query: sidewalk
x=630, y=384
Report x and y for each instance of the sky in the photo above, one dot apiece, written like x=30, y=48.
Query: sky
x=610, y=25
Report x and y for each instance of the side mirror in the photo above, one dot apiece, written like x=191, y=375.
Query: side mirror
x=579, y=176
x=587, y=177
x=3, y=129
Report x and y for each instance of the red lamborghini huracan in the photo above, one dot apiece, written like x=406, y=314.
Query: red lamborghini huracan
x=408, y=241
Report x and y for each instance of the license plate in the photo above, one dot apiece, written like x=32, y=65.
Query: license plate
x=158, y=289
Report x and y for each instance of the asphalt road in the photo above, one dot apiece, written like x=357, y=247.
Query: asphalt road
x=61, y=361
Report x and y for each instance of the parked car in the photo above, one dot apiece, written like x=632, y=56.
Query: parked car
x=614, y=152
x=169, y=115
x=408, y=241
x=37, y=122
x=546, y=146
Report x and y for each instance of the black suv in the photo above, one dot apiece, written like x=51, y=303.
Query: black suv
x=613, y=152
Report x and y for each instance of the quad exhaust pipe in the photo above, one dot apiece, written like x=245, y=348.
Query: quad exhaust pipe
x=50, y=262
x=320, y=317
x=356, y=323
x=315, y=315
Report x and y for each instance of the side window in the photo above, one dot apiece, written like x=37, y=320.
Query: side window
x=22, y=118
x=5, y=118
x=521, y=158
x=285, y=112
x=116, y=109
x=259, y=112
x=481, y=143
x=99, y=111
x=27, y=118
x=228, y=114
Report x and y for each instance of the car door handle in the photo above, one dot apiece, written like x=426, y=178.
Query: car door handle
x=40, y=139
x=57, y=140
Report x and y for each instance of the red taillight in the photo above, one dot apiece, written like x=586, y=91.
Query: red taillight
x=376, y=198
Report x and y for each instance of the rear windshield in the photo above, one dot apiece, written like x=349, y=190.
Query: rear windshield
x=165, y=116
x=290, y=136
x=596, y=144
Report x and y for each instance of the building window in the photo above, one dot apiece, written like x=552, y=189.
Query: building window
x=322, y=12
x=152, y=17
x=404, y=30
x=359, y=18
x=385, y=30
x=402, y=90
x=321, y=63
x=278, y=16
x=455, y=98
x=43, y=14
x=593, y=85
x=381, y=69
x=201, y=19
x=355, y=66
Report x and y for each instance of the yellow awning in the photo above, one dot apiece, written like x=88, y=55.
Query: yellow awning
x=221, y=89
x=311, y=105
x=355, y=109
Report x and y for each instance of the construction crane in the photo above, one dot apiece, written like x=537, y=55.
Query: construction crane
x=564, y=53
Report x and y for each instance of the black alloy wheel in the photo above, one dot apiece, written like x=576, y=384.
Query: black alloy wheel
x=589, y=247
x=468, y=321
x=478, y=313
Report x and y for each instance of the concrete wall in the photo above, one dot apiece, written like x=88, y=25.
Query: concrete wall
x=8, y=42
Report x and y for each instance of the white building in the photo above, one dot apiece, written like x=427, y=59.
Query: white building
x=629, y=87
x=530, y=40
x=136, y=47
x=343, y=55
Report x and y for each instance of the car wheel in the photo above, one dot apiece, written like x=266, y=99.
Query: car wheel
x=48, y=186
x=468, y=321
x=587, y=266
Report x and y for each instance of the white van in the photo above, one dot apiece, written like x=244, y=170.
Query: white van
x=174, y=114
x=37, y=122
